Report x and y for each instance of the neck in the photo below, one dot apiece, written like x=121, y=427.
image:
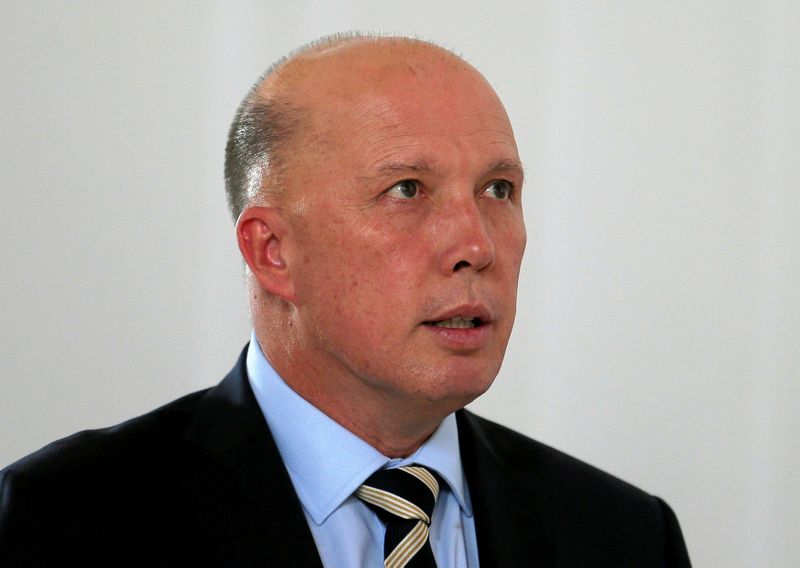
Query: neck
x=394, y=424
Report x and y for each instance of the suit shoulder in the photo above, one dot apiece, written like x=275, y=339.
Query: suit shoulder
x=149, y=435
x=119, y=484
x=530, y=458
x=618, y=524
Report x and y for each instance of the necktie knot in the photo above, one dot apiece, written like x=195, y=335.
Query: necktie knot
x=406, y=492
x=404, y=498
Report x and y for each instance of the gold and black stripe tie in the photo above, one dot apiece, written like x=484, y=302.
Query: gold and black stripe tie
x=404, y=499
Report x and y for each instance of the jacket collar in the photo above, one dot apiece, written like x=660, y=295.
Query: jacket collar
x=513, y=510
x=238, y=482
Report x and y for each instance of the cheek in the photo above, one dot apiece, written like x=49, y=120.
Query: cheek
x=357, y=282
x=510, y=239
x=362, y=271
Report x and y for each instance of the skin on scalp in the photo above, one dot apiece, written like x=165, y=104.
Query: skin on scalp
x=346, y=269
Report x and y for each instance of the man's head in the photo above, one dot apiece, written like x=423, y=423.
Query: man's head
x=383, y=231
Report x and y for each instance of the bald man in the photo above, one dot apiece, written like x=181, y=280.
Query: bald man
x=376, y=188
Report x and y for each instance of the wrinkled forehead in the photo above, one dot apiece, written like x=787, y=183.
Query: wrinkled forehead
x=394, y=85
x=374, y=93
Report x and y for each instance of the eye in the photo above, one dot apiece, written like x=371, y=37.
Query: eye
x=500, y=189
x=406, y=189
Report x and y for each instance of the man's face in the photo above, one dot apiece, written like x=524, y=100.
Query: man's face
x=407, y=230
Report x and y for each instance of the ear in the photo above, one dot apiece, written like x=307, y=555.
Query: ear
x=260, y=232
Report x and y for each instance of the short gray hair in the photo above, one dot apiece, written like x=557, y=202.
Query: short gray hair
x=260, y=128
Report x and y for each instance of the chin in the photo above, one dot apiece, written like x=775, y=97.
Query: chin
x=459, y=389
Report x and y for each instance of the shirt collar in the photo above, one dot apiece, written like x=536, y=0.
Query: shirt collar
x=327, y=462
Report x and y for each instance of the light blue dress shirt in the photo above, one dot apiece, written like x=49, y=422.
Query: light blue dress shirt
x=327, y=463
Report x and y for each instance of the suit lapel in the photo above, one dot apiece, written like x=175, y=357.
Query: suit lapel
x=513, y=513
x=237, y=486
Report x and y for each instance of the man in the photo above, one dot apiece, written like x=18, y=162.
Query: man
x=376, y=185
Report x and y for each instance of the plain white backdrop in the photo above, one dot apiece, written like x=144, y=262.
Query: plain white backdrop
x=658, y=333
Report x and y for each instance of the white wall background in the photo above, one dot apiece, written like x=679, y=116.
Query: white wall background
x=659, y=327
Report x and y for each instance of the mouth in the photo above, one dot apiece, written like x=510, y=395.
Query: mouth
x=462, y=329
x=457, y=322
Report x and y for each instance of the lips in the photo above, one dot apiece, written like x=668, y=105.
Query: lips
x=462, y=317
x=457, y=322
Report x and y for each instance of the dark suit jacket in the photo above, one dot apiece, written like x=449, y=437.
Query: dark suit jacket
x=199, y=482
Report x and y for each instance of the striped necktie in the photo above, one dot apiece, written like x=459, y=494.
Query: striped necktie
x=404, y=499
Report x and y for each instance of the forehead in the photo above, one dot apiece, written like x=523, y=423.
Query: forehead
x=379, y=101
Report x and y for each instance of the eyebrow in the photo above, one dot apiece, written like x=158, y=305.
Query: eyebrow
x=508, y=165
x=395, y=167
x=387, y=168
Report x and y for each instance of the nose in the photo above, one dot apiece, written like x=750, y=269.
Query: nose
x=468, y=244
